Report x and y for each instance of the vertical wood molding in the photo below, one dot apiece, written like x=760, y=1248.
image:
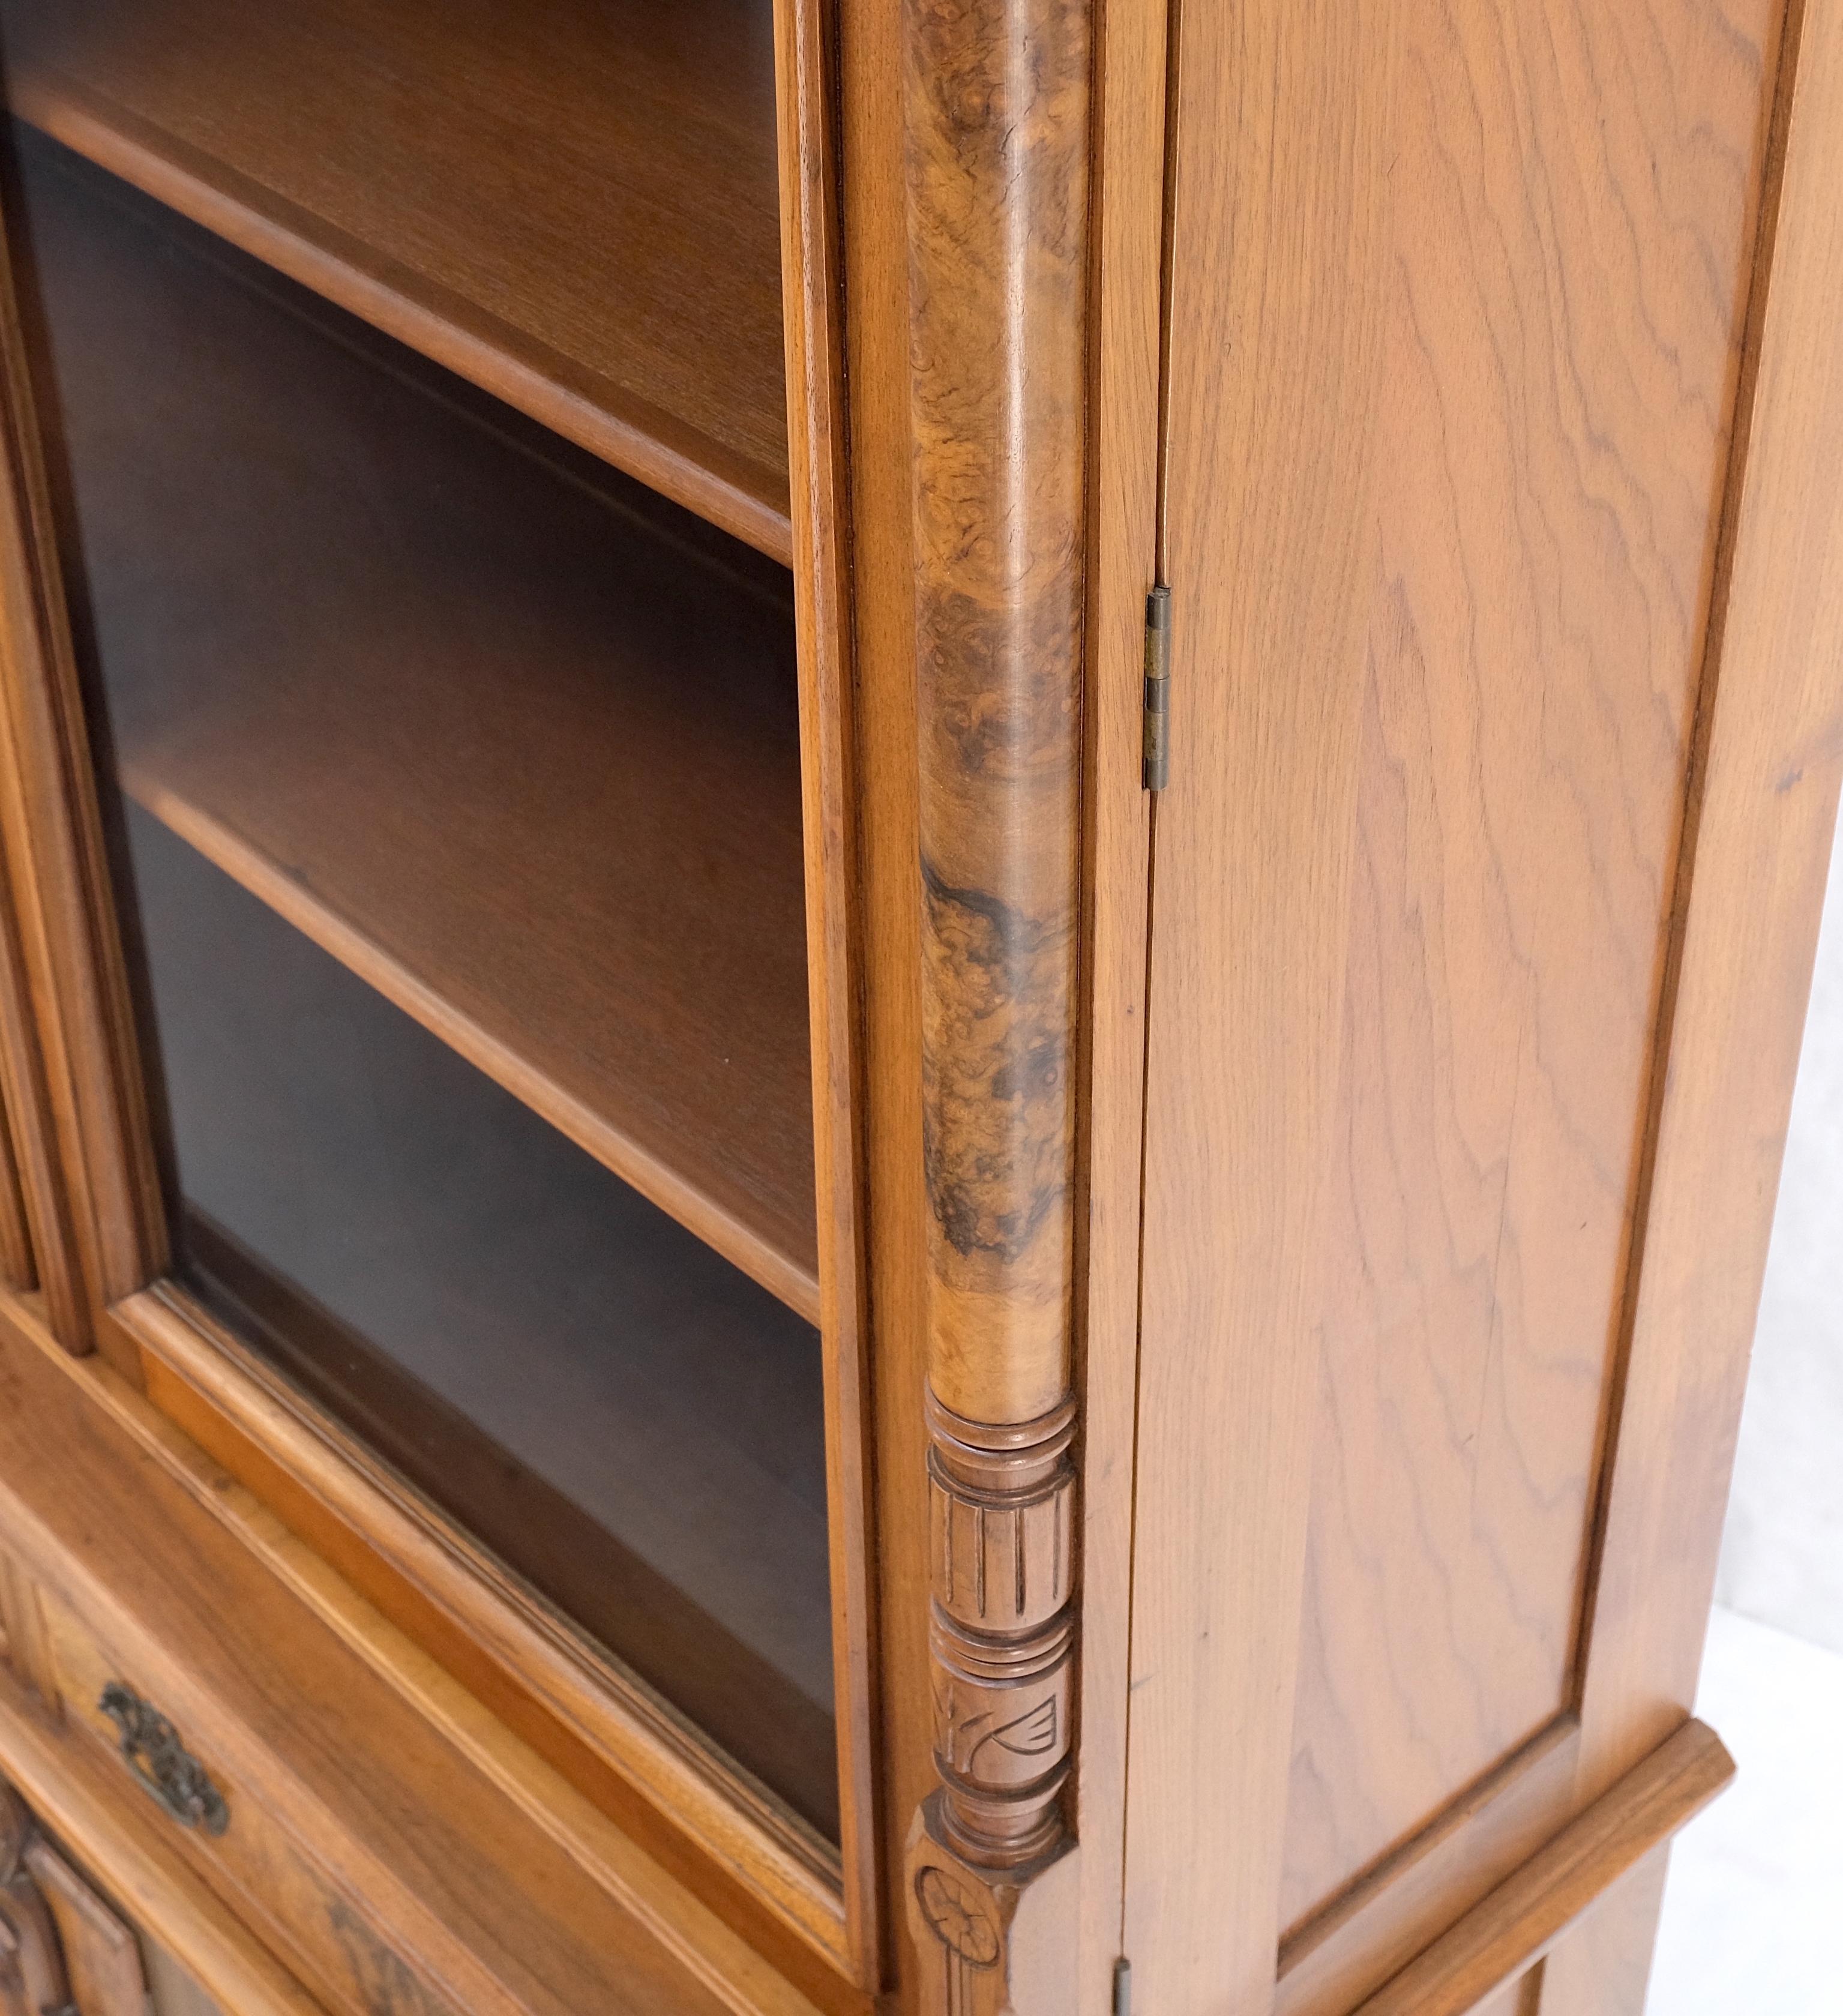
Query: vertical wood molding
x=104, y=1234
x=1755, y=855
x=1496, y=1942
x=820, y=516
x=32, y=1974
x=1127, y=233
x=995, y=145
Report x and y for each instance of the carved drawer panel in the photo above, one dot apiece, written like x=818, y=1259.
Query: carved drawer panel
x=229, y=1827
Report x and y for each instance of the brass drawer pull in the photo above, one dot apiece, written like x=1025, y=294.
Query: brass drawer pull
x=156, y=1757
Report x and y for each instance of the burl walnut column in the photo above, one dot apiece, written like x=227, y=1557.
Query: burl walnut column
x=996, y=138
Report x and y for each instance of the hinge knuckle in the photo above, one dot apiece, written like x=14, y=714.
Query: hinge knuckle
x=1156, y=768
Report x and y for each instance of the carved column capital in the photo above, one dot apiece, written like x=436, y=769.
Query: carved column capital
x=1001, y=1509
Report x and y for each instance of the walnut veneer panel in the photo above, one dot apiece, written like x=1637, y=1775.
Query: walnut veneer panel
x=1573, y=194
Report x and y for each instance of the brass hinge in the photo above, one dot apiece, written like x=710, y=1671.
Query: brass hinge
x=1123, y=1973
x=1156, y=772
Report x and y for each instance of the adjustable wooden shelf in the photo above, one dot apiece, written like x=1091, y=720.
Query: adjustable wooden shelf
x=702, y=1305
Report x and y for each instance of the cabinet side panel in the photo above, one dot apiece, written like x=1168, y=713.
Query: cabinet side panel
x=1458, y=298
x=1757, y=853
x=1574, y=191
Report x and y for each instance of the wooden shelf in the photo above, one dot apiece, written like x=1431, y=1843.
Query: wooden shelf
x=525, y=759
x=572, y=202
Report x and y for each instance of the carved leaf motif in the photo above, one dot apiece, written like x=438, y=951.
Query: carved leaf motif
x=1031, y=1734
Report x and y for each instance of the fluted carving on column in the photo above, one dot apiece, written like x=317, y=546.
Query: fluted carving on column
x=996, y=97
x=1002, y=1509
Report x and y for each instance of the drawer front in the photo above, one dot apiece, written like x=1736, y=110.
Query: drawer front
x=256, y=1862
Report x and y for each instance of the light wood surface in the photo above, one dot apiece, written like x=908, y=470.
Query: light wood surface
x=1384, y=1256
x=1756, y=853
x=1128, y=196
x=1502, y=1937
x=1275, y=379
x=1400, y=1457
x=1564, y=325
x=881, y=498
x=615, y=930
x=46, y=1258
x=572, y=203
x=21, y=1626
x=1380, y=1923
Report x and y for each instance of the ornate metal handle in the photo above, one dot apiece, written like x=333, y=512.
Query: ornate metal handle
x=156, y=1757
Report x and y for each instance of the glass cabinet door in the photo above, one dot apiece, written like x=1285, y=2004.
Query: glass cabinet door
x=412, y=388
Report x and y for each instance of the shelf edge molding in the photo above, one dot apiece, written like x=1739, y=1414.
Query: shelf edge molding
x=617, y=1148
x=996, y=110
x=634, y=436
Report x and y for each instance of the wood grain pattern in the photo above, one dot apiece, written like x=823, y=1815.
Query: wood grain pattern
x=1756, y=852
x=27, y=1651
x=513, y=193
x=615, y=928
x=1572, y=194
x=49, y=1250
x=1528, y=388
x=1553, y=430
x=17, y=1267
x=1379, y=1923
x=996, y=137
x=1274, y=377
x=314, y=1921
x=1501, y=1938
x=1542, y=383
x=825, y=1906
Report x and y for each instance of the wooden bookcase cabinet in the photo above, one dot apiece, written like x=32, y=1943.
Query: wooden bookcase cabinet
x=1283, y=1249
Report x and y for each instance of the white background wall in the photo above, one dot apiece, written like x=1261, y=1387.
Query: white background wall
x=1782, y=1554
x=1755, y=1894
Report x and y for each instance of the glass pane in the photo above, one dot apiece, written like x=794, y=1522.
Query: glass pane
x=459, y=826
